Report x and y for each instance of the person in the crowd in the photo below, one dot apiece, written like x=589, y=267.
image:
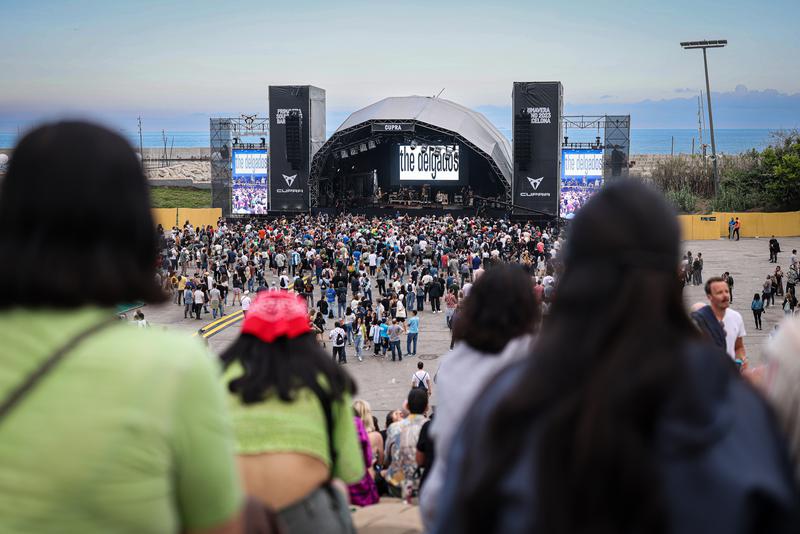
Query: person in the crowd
x=292, y=418
x=365, y=491
x=422, y=380
x=102, y=428
x=493, y=328
x=757, y=306
x=624, y=419
x=412, y=333
x=401, y=446
x=364, y=411
x=782, y=355
x=338, y=338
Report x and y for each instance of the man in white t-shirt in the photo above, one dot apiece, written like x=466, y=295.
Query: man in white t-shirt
x=199, y=300
x=421, y=379
x=246, y=302
x=719, y=298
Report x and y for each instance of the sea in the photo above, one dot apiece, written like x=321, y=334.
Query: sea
x=643, y=140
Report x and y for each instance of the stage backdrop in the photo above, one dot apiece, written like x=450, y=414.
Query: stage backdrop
x=537, y=108
x=296, y=131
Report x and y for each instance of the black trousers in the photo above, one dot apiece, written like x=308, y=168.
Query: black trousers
x=339, y=351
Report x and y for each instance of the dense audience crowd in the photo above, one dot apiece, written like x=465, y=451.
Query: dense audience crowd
x=598, y=405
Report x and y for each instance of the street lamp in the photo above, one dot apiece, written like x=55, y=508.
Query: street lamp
x=691, y=45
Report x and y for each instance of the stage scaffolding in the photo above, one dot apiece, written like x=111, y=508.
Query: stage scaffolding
x=616, y=140
x=226, y=134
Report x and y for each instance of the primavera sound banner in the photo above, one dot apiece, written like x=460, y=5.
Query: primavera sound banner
x=537, y=108
x=288, y=184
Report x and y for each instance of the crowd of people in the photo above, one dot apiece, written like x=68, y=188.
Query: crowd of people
x=597, y=405
x=371, y=277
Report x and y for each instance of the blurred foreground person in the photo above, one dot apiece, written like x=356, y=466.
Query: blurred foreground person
x=493, y=328
x=103, y=428
x=782, y=383
x=292, y=418
x=624, y=420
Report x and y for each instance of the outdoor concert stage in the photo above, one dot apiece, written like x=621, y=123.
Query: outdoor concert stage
x=414, y=154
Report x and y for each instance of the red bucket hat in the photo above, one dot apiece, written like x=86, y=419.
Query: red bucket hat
x=274, y=314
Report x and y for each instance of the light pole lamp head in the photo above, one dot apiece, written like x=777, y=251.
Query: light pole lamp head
x=719, y=43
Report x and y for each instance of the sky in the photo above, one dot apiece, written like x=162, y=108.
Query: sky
x=177, y=63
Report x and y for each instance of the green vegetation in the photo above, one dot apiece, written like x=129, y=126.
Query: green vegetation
x=754, y=181
x=180, y=197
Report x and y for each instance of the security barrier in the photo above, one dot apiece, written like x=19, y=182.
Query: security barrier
x=715, y=225
x=199, y=216
x=166, y=217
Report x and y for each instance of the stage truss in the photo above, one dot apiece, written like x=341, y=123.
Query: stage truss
x=616, y=140
x=337, y=143
x=226, y=134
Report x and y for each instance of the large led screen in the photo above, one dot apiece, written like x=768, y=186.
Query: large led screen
x=428, y=163
x=250, y=188
x=581, y=177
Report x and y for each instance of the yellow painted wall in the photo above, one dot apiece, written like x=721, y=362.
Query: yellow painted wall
x=693, y=227
x=199, y=216
x=166, y=217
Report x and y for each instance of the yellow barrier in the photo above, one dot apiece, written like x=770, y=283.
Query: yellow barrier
x=715, y=225
x=199, y=216
x=166, y=217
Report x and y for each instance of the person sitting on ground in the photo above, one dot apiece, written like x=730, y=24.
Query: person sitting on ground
x=291, y=417
x=494, y=327
x=102, y=428
x=401, y=445
x=623, y=407
x=365, y=491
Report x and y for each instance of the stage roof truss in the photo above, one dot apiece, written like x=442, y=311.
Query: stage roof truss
x=341, y=140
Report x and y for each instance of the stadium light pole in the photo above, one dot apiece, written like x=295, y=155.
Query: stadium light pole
x=691, y=45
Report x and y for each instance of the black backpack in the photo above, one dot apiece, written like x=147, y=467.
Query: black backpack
x=421, y=383
x=339, y=338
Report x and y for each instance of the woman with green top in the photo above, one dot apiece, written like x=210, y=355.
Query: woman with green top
x=292, y=419
x=103, y=428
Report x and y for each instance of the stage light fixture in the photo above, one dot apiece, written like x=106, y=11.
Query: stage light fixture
x=343, y=153
x=371, y=144
x=353, y=151
x=363, y=147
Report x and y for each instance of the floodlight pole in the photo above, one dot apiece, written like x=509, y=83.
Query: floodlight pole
x=689, y=45
x=711, y=126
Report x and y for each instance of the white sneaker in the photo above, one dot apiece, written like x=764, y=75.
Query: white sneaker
x=360, y=359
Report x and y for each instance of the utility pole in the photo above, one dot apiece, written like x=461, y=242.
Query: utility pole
x=704, y=45
x=141, y=150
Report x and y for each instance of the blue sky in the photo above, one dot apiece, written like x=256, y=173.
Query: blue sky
x=179, y=62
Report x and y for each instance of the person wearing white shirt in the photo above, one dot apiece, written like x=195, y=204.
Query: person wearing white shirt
x=246, y=302
x=719, y=298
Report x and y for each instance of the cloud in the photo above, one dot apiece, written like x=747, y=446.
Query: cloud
x=686, y=90
x=606, y=97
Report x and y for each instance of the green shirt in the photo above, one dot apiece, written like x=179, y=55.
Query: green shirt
x=297, y=426
x=127, y=434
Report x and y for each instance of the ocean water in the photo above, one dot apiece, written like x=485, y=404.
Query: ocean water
x=643, y=141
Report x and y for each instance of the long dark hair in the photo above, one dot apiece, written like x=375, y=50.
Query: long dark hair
x=75, y=197
x=602, y=370
x=283, y=367
x=501, y=306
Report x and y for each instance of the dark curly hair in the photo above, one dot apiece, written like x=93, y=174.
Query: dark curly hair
x=501, y=306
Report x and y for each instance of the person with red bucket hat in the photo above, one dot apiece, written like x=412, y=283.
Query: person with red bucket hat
x=290, y=406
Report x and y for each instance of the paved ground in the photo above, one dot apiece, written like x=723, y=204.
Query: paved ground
x=748, y=262
x=385, y=383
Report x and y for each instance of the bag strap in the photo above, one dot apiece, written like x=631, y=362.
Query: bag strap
x=35, y=377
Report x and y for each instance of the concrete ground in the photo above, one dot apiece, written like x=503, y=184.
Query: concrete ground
x=385, y=383
x=748, y=262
